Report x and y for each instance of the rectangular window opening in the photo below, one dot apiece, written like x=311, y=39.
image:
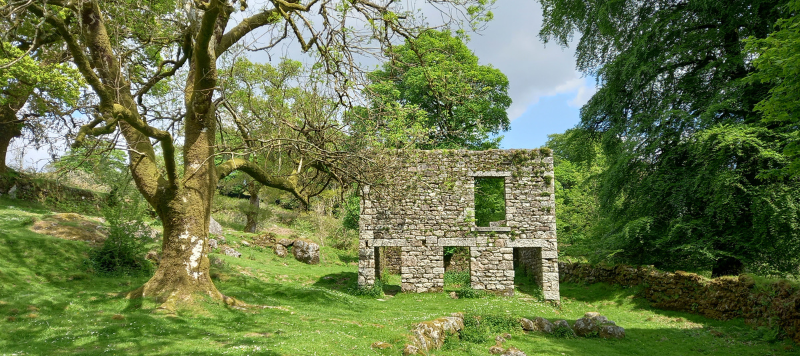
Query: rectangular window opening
x=490, y=201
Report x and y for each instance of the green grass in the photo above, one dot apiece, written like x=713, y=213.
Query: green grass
x=50, y=305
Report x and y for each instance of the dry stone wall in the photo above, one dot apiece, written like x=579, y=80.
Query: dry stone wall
x=428, y=204
x=776, y=304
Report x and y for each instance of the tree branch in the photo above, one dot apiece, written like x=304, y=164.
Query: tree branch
x=257, y=173
x=246, y=26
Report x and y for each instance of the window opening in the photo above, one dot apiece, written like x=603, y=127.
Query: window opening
x=490, y=201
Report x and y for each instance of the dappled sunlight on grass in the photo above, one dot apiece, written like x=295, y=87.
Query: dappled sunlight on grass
x=51, y=304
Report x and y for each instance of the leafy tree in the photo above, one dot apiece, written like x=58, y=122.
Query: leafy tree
x=279, y=116
x=776, y=64
x=685, y=145
x=463, y=103
x=578, y=163
x=35, y=86
x=134, y=55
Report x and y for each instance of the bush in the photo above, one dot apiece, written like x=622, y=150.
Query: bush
x=352, y=211
x=482, y=328
x=467, y=292
x=375, y=292
x=124, y=250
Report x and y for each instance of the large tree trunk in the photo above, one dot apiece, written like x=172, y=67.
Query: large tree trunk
x=10, y=128
x=252, y=213
x=184, y=266
x=7, y=133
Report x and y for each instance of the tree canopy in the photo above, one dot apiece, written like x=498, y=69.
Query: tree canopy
x=687, y=149
x=463, y=103
x=152, y=70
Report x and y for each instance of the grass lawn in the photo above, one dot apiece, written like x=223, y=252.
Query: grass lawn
x=50, y=305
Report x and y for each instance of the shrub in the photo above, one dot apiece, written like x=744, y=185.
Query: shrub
x=375, y=291
x=124, y=250
x=483, y=328
x=352, y=211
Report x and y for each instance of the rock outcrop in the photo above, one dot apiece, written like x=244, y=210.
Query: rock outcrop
x=229, y=251
x=214, y=228
x=306, y=251
x=430, y=335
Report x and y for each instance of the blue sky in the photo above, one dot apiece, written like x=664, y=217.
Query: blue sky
x=546, y=90
x=552, y=114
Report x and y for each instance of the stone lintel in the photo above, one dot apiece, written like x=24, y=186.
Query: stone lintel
x=389, y=242
x=549, y=254
x=530, y=243
x=489, y=174
x=491, y=228
x=457, y=242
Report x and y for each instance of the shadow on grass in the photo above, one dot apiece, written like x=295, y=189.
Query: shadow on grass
x=524, y=283
x=655, y=341
x=347, y=282
x=602, y=293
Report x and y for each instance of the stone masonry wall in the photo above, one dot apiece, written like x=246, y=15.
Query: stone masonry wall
x=429, y=204
x=774, y=304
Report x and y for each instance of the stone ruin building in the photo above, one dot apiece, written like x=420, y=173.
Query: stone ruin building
x=429, y=204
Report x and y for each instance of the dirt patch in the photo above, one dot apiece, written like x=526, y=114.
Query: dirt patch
x=70, y=226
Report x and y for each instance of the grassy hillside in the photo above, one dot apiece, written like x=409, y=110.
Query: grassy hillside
x=51, y=305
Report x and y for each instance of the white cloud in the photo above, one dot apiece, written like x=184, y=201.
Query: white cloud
x=585, y=92
x=511, y=43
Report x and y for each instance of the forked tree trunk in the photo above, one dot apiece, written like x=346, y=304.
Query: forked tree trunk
x=184, y=266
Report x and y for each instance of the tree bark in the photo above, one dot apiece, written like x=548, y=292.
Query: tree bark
x=10, y=127
x=8, y=131
x=252, y=213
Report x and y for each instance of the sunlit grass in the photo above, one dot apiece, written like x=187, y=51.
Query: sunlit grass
x=51, y=305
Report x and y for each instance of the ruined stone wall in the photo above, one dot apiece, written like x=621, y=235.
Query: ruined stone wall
x=429, y=204
x=773, y=304
x=393, y=259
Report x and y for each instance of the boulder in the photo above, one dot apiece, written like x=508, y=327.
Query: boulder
x=612, y=332
x=543, y=325
x=513, y=351
x=214, y=228
x=561, y=324
x=306, y=251
x=212, y=244
x=410, y=350
x=496, y=350
x=591, y=323
x=527, y=324
x=285, y=242
x=227, y=250
x=280, y=250
x=563, y=329
x=586, y=327
x=429, y=335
